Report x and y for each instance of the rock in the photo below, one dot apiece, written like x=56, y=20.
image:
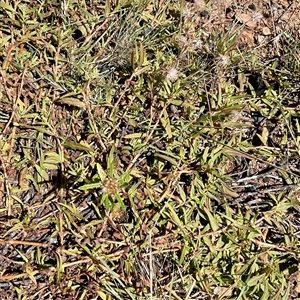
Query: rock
x=266, y=31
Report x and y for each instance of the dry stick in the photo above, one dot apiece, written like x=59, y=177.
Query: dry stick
x=7, y=186
x=88, y=107
x=151, y=264
x=233, y=151
x=171, y=182
x=60, y=231
x=83, y=261
x=271, y=189
x=6, y=258
x=14, y=128
x=27, y=243
x=15, y=276
x=263, y=174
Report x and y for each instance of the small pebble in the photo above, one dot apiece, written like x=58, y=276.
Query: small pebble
x=204, y=13
x=173, y=109
x=252, y=6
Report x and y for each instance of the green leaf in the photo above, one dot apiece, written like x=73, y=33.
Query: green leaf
x=110, y=162
x=255, y=280
x=77, y=146
x=212, y=221
x=71, y=101
x=185, y=250
x=6, y=6
x=53, y=158
x=90, y=186
x=42, y=172
x=167, y=158
x=50, y=166
x=166, y=124
x=133, y=135
x=120, y=201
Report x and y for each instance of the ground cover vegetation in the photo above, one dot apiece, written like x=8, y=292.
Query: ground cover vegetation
x=149, y=149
